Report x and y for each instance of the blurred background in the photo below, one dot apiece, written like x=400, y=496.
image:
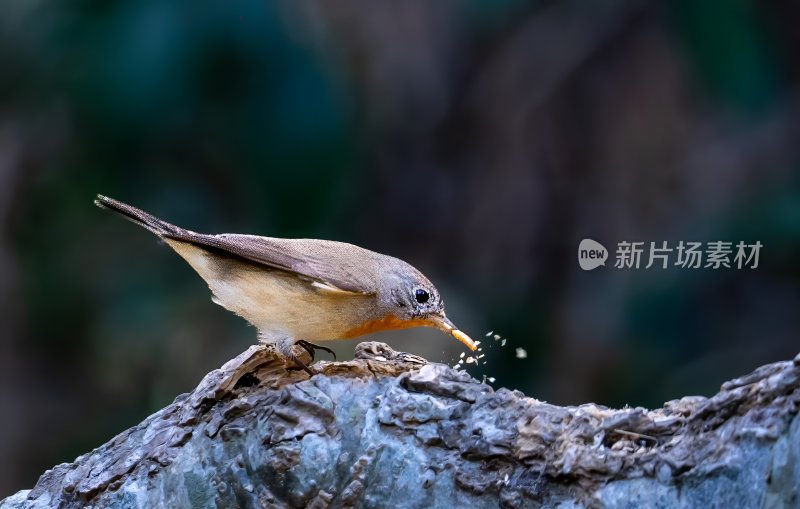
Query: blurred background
x=478, y=140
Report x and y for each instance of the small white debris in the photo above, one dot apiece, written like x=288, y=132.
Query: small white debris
x=470, y=360
x=521, y=353
x=462, y=355
x=491, y=379
x=503, y=343
x=477, y=343
x=489, y=333
x=481, y=356
x=496, y=337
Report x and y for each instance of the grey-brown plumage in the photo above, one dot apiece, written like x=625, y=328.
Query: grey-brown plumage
x=303, y=289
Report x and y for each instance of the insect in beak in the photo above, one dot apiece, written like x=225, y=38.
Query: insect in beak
x=444, y=324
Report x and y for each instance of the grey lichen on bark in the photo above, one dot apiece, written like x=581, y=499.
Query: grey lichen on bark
x=389, y=429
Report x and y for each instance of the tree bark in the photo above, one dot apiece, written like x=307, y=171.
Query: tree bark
x=389, y=429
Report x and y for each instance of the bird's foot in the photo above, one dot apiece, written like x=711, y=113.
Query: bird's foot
x=302, y=365
x=311, y=348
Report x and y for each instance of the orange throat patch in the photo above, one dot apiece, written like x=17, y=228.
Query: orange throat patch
x=389, y=322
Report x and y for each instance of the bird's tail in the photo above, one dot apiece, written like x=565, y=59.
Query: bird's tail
x=140, y=217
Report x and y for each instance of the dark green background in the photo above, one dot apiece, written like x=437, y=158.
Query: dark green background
x=478, y=140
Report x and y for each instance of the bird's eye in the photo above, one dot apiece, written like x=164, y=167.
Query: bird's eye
x=421, y=295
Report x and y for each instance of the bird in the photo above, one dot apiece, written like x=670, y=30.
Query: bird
x=301, y=291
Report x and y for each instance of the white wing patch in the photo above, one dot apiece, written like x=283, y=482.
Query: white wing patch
x=333, y=290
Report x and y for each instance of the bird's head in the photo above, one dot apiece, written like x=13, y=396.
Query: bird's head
x=411, y=300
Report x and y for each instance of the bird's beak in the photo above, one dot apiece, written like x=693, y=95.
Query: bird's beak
x=444, y=324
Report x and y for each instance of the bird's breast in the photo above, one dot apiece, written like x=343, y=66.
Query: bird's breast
x=389, y=322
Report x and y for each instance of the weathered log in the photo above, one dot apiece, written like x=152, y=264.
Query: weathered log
x=389, y=429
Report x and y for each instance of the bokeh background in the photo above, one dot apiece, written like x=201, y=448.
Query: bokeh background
x=479, y=140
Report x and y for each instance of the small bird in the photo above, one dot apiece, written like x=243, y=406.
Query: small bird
x=295, y=291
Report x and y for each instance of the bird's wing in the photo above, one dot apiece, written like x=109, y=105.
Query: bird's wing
x=334, y=267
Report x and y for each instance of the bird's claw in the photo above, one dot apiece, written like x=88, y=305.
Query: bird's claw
x=311, y=348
